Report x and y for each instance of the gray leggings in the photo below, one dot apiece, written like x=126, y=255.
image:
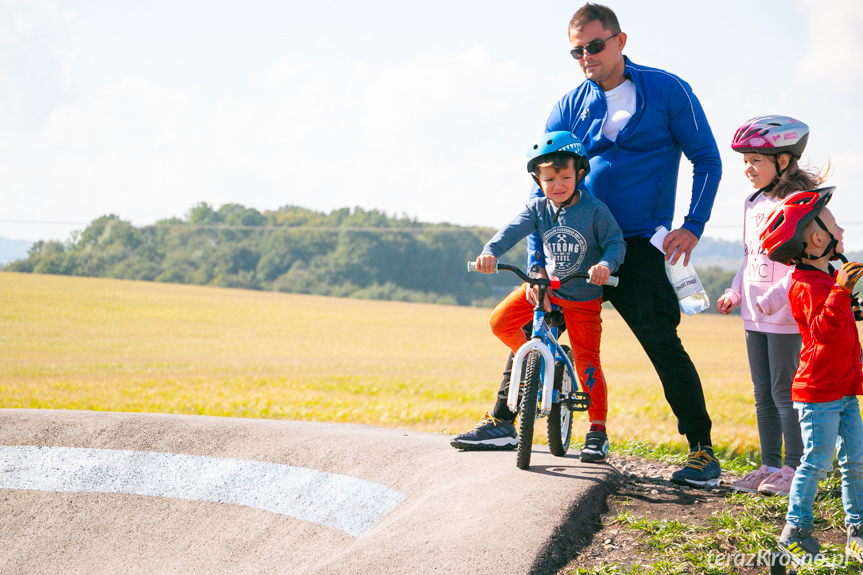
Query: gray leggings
x=773, y=360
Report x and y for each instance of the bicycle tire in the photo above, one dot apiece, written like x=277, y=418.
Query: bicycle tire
x=560, y=418
x=527, y=410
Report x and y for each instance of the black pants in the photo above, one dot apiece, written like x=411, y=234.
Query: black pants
x=647, y=303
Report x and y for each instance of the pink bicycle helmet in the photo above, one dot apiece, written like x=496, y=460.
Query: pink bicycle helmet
x=771, y=135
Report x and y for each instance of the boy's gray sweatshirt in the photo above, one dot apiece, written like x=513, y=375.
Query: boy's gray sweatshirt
x=584, y=235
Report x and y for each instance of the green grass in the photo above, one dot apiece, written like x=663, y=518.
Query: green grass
x=110, y=345
x=749, y=531
x=80, y=343
x=751, y=526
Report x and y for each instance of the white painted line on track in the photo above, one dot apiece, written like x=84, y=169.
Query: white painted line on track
x=338, y=501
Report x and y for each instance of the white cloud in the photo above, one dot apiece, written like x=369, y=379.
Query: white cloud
x=828, y=85
x=441, y=137
x=17, y=19
x=34, y=61
x=833, y=50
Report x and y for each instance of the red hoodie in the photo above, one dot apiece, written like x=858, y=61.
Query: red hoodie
x=830, y=361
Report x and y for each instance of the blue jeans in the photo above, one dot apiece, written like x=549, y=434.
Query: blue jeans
x=825, y=427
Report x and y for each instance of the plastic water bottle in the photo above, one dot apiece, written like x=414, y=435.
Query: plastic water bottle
x=690, y=293
x=687, y=286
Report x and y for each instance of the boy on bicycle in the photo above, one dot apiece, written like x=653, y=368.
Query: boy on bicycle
x=579, y=233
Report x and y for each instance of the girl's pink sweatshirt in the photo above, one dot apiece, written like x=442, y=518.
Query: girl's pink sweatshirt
x=760, y=280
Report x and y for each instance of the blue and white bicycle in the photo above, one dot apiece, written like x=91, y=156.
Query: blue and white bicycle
x=543, y=381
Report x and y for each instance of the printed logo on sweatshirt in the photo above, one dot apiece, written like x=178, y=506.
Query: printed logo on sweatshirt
x=566, y=246
x=759, y=268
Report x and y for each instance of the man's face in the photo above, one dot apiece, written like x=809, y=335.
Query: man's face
x=605, y=68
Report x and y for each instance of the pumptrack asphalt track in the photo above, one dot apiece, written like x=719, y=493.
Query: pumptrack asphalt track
x=94, y=492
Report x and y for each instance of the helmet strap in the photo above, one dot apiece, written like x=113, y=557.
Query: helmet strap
x=568, y=201
x=779, y=171
x=769, y=187
x=831, y=245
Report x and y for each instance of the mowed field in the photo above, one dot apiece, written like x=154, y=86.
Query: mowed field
x=110, y=345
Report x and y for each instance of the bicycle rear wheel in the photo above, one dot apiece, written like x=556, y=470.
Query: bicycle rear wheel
x=560, y=417
x=527, y=410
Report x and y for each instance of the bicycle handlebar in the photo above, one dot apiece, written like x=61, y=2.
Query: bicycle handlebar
x=471, y=267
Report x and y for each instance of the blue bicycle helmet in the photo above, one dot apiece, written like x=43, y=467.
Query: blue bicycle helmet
x=552, y=142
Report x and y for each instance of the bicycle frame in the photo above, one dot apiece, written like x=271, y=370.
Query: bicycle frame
x=542, y=335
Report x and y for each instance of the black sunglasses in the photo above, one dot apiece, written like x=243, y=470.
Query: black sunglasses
x=594, y=47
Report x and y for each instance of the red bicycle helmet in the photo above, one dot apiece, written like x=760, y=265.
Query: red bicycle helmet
x=771, y=135
x=782, y=234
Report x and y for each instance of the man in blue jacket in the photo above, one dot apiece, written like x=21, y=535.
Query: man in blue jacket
x=634, y=122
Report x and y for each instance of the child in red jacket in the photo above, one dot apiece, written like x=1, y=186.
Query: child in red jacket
x=802, y=231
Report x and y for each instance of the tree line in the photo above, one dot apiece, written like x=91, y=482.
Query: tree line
x=347, y=252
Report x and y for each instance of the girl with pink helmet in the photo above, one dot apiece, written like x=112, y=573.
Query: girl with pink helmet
x=771, y=148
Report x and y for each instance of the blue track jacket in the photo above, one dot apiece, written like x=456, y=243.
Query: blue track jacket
x=636, y=176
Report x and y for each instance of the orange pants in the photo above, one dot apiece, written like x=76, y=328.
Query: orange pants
x=584, y=326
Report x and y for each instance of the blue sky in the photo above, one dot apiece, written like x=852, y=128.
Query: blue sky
x=144, y=109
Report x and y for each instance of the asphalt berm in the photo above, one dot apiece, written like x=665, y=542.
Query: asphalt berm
x=94, y=492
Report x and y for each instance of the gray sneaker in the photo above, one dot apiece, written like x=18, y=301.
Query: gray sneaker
x=799, y=544
x=490, y=434
x=854, y=546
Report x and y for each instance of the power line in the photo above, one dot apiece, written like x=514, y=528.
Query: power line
x=219, y=227
x=415, y=229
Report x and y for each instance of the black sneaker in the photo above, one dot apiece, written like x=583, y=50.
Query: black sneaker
x=701, y=468
x=595, y=447
x=490, y=434
x=799, y=544
x=854, y=546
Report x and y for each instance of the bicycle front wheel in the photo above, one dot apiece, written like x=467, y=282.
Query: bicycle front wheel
x=560, y=417
x=527, y=411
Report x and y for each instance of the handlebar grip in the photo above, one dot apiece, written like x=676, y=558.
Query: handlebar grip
x=471, y=267
x=611, y=281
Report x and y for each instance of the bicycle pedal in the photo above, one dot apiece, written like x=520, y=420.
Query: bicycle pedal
x=577, y=401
